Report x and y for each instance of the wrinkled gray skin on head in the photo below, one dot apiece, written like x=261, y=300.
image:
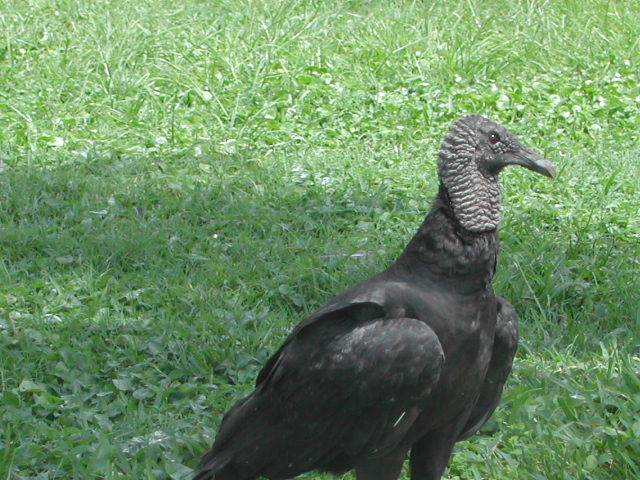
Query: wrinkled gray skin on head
x=473, y=153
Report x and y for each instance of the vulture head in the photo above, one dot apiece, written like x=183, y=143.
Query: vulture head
x=473, y=153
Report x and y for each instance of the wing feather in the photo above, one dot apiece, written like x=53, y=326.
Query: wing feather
x=341, y=384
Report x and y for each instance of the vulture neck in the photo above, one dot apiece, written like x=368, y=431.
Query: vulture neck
x=443, y=249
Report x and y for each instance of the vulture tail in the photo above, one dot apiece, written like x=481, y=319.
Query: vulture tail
x=245, y=442
x=212, y=466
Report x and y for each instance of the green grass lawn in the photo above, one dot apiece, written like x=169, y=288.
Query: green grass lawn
x=181, y=182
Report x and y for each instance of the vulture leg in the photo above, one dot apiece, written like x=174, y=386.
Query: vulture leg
x=430, y=454
x=381, y=468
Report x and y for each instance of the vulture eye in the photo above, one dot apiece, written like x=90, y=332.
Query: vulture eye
x=494, y=138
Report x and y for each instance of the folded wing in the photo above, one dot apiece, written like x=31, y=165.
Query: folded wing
x=347, y=383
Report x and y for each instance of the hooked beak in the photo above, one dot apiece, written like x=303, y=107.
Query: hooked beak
x=527, y=158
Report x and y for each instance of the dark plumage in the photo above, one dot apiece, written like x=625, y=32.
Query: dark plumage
x=411, y=360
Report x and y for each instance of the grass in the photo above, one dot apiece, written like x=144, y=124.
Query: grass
x=182, y=181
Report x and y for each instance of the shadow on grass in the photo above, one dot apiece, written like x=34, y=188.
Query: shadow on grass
x=141, y=298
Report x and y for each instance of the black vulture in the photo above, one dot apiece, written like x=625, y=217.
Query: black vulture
x=408, y=362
